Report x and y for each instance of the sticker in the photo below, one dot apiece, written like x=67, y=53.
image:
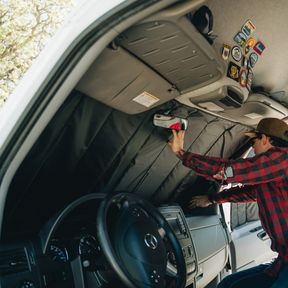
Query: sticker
x=259, y=48
x=243, y=78
x=253, y=59
x=248, y=46
x=236, y=53
x=146, y=99
x=253, y=115
x=248, y=28
x=233, y=71
x=249, y=79
x=225, y=51
x=245, y=62
x=240, y=39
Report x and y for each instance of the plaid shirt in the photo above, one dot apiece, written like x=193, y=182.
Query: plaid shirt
x=265, y=176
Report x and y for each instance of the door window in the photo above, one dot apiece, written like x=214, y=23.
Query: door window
x=26, y=27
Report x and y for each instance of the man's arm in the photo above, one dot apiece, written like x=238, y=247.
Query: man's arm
x=266, y=167
x=233, y=195
x=205, y=166
x=263, y=168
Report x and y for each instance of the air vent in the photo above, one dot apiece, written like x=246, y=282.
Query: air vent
x=13, y=262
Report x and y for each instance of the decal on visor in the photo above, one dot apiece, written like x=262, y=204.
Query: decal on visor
x=146, y=99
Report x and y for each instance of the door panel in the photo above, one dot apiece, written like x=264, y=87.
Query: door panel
x=250, y=246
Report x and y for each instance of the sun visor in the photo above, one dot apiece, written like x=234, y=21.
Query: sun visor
x=131, y=90
x=177, y=51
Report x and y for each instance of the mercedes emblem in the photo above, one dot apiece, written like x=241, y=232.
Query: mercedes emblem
x=151, y=241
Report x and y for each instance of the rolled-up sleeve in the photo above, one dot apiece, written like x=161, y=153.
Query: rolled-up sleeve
x=236, y=195
x=202, y=165
x=263, y=168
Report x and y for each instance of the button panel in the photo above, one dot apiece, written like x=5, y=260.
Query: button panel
x=155, y=276
x=187, y=251
x=183, y=229
x=136, y=212
x=26, y=284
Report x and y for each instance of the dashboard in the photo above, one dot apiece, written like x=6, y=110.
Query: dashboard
x=67, y=253
x=76, y=241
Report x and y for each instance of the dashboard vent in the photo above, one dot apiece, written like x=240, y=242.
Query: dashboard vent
x=13, y=262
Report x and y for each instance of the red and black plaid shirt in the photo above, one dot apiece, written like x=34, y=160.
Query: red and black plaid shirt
x=265, y=180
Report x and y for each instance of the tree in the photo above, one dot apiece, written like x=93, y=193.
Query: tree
x=26, y=26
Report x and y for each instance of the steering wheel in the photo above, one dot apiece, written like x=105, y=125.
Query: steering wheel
x=135, y=249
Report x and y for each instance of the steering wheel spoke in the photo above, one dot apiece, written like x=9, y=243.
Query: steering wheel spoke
x=161, y=232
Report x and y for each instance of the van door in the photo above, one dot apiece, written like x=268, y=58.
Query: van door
x=250, y=245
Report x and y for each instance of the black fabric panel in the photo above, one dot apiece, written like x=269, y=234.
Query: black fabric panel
x=154, y=161
x=115, y=147
x=43, y=182
x=19, y=189
x=252, y=212
x=89, y=147
x=242, y=213
x=238, y=214
x=208, y=136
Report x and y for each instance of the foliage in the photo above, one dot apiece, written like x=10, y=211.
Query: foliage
x=26, y=26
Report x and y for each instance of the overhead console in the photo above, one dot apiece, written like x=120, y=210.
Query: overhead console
x=153, y=62
x=256, y=107
x=223, y=99
x=229, y=101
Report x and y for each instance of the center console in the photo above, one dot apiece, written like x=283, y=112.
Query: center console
x=176, y=218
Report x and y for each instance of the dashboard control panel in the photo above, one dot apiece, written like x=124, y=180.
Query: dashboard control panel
x=176, y=218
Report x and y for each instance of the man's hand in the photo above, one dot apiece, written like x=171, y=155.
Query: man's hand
x=219, y=175
x=199, y=201
x=178, y=140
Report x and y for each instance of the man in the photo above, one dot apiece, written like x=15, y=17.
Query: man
x=265, y=180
